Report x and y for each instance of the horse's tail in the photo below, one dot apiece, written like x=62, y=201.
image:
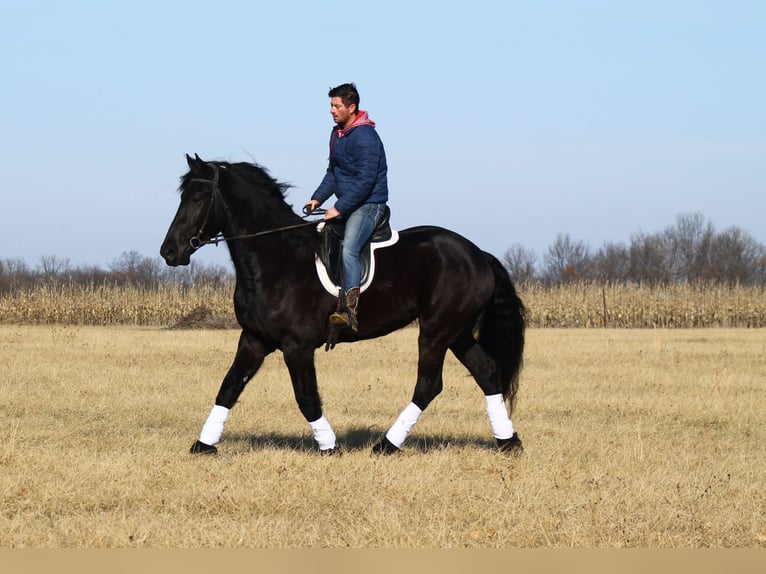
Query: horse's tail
x=501, y=330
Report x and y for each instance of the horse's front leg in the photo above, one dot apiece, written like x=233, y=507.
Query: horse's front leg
x=249, y=358
x=431, y=353
x=300, y=363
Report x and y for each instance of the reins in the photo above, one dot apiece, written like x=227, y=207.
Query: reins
x=196, y=242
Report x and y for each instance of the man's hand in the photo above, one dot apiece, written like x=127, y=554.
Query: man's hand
x=331, y=213
x=310, y=206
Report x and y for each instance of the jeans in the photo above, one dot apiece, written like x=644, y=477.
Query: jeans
x=359, y=227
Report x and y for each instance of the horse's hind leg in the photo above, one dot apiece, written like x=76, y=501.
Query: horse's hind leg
x=249, y=358
x=484, y=370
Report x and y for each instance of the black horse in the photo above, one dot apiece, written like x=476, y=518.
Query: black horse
x=461, y=296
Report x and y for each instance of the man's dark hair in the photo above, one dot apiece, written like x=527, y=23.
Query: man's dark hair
x=347, y=93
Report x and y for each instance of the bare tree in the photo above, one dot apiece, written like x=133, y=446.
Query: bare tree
x=520, y=263
x=52, y=267
x=735, y=257
x=135, y=269
x=649, y=259
x=612, y=263
x=197, y=272
x=689, y=243
x=566, y=261
x=15, y=274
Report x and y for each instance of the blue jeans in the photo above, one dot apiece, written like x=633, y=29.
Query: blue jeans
x=359, y=227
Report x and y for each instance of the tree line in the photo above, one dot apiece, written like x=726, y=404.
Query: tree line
x=689, y=251
x=129, y=269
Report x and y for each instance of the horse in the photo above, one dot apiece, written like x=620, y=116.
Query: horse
x=461, y=297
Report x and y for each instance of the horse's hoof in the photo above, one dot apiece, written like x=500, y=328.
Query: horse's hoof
x=202, y=448
x=329, y=452
x=385, y=447
x=511, y=445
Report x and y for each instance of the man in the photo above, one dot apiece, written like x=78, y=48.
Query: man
x=357, y=175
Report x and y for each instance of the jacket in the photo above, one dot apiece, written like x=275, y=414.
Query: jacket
x=357, y=172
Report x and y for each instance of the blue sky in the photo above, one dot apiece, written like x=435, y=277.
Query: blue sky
x=507, y=121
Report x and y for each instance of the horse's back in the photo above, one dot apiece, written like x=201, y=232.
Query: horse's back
x=430, y=265
x=449, y=246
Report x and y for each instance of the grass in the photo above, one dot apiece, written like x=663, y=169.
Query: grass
x=634, y=438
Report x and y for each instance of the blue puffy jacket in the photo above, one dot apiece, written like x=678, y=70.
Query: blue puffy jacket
x=357, y=171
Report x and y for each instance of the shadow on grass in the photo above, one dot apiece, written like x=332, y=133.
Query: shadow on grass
x=357, y=440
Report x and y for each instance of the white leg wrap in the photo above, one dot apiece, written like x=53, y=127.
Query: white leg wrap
x=502, y=427
x=323, y=433
x=213, y=427
x=403, y=425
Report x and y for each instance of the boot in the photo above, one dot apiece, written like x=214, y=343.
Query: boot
x=346, y=317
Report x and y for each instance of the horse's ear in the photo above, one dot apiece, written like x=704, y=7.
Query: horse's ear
x=197, y=164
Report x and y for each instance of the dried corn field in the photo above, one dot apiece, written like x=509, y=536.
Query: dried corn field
x=634, y=306
x=563, y=306
x=72, y=304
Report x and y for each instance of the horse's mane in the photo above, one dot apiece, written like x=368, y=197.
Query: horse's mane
x=268, y=198
x=257, y=176
x=269, y=191
x=251, y=173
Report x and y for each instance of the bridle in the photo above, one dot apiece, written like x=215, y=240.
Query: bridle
x=215, y=192
x=196, y=242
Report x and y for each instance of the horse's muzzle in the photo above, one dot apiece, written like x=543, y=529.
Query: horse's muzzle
x=174, y=256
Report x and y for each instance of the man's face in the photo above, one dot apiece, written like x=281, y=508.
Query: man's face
x=340, y=113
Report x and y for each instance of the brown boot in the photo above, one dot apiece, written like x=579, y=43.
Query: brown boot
x=346, y=317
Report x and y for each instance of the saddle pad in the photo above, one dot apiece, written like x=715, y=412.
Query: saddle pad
x=330, y=285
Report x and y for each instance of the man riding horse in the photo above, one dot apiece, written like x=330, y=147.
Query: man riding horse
x=357, y=176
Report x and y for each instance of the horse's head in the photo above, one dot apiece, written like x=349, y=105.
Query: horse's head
x=199, y=215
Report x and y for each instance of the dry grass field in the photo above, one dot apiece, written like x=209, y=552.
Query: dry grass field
x=634, y=438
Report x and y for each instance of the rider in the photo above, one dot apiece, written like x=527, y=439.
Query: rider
x=357, y=176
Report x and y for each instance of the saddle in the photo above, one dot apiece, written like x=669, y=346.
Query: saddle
x=330, y=259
